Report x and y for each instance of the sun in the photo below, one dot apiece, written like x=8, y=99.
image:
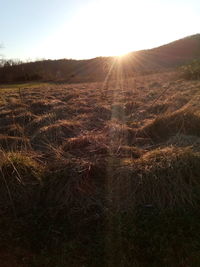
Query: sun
x=114, y=28
x=101, y=28
x=104, y=28
x=122, y=56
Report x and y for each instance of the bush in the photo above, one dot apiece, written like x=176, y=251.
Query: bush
x=191, y=71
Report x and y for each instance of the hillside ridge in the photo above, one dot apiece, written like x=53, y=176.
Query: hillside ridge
x=160, y=58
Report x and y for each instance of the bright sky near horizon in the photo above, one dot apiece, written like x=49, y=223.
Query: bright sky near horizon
x=53, y=29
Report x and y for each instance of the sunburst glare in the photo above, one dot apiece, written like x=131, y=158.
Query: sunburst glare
x=113, y=28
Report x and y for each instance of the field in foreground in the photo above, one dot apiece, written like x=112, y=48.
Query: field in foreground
x=101, y=174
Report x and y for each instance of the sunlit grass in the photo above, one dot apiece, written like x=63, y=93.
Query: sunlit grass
x=103, y=164
x=17, y=86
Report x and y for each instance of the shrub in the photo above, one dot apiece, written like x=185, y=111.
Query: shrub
x=191, y=71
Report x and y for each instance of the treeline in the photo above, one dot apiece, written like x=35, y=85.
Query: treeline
x=69, y=70
x=65, y=70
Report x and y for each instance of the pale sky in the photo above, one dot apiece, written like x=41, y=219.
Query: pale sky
x=79, y=29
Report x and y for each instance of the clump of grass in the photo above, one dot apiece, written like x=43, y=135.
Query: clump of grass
x=13, y=142
x=128, y=152
x=182, y=140
x=5, y=113
x=24, y=118
x=86, y=144
x=64, y=112
x=70, y=194
x=103, y=112
x=41, y=121
x=91, y=121
x=40, y=107
x=182, y=121
x=120, y=133
x=158, y=108
x=131, y=107
x=118, y=112
x=165, y=178
x=20, y=182
x=13, y=129
x=55, y=133
x=6, y=120
x=68, y=97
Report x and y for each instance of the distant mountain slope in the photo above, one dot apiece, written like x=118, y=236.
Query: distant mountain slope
x=172, y=54
x=96, y=69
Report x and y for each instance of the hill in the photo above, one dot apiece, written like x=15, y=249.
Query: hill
x=170, y=55
x=97, y=69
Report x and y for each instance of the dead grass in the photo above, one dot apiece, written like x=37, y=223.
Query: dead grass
x=71, y=190
x=117, y=111
x=102, y=112
x=40, y=121
x=12, y=129
x=131, y=107
x=20, y=182
x=164, y=178
x=40, y=107
x=14, y=143
x=181, y=140
x=64, y=112
x=84, y=145
x=128, y=152
x=120, y=133
x=55, y=133
x=122, y=150
x=182, y=121
x=24, y=118
x=158, y=108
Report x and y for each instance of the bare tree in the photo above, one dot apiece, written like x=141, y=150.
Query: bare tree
x=1, y=56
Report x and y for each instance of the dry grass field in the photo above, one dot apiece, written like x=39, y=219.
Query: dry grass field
x=101, y=174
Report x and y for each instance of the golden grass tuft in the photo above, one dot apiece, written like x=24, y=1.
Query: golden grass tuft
x=12, y=129
x=128, y=152
x=84, y=145
x=120, y=132
x=158, y=108
x=13, y=143
x=117, y=110
x=20, y=182
x=182, y=140
x=55, y=133
x=70, y=191
x=40, y=107
x=103, y=112
x=131, y=107
x=163, y=127
x=164, y=178
x=24, y=118
x=41, y=121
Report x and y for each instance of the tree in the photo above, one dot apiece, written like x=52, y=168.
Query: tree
x=1, y=57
